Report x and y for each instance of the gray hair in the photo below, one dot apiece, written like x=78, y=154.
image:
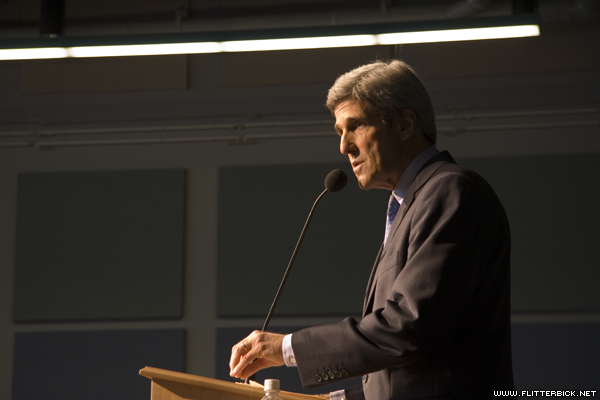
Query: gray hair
x=386, y=88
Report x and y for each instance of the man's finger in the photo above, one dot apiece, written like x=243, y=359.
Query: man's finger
x=235, y=357
x=237, y=352
x=253, y=368
x=243, y=363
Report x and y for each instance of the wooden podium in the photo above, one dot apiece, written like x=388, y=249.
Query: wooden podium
x=171, y=385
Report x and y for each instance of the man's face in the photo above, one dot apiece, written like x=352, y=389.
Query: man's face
x=373, y=147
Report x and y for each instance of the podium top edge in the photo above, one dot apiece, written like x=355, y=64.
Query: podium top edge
x=216, y=384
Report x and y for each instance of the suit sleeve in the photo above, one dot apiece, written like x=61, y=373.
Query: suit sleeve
x=355, y=393
x=441, y=256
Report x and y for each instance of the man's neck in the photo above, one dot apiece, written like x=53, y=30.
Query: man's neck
x=411, y=171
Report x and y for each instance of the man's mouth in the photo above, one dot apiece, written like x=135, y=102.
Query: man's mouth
x=355, y=165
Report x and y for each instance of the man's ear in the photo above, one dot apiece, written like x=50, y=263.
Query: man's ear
x=408, y=123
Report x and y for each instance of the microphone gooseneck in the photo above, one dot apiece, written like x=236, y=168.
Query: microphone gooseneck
x=334, y=182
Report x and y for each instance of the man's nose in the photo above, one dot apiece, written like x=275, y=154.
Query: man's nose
x=346, y=143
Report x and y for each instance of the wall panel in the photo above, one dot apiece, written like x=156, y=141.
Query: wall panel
x=99, y=245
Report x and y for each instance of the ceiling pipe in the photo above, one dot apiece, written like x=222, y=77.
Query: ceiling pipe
x=240, y=127
x=465, y=8
x=568, y=10
x=52, y=15
x=253, y=138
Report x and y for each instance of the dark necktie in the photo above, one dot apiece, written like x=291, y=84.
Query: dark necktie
x=392, y=210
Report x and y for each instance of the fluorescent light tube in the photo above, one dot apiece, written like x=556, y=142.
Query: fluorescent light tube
x=299, y=43
x=33, y=54
x=500, y=32
x=455, y=35
x=144, y=49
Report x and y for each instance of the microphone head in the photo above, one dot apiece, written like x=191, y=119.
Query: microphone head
x=336, y=180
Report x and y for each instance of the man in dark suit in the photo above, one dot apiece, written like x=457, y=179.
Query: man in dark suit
x=436, y=317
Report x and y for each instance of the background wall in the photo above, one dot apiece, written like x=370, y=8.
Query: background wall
x=523, y=102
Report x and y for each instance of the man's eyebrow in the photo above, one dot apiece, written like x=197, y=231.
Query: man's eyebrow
x=348, y=121
x=352, y=120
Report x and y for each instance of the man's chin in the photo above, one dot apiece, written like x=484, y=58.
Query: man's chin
x=362, y=185
x=368, y=184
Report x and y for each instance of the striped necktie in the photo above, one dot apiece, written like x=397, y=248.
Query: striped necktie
x=392, y=210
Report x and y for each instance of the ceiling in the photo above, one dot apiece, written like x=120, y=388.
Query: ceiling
x=21, y=18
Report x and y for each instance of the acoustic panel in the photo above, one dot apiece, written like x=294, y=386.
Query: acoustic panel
x=107, y=74
x=550, y=202
x=92, y=365
x=262, y=210
x=559, y=356
x=552, y=205
x=99, y=245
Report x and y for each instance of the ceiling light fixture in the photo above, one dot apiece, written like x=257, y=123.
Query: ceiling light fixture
x=367, y=35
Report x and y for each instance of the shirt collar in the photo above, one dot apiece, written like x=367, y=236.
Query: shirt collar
x=409, y=174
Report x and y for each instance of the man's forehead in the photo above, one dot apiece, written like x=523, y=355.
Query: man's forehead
x=349, y=109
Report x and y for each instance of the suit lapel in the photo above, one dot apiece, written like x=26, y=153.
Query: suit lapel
x=368, y=294
x=422, y=177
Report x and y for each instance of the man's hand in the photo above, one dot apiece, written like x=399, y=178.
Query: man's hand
x=258, y=351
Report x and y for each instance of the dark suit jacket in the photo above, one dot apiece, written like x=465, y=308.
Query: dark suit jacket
x=436, y=319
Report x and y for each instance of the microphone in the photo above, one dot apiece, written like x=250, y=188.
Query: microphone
x=334, y=182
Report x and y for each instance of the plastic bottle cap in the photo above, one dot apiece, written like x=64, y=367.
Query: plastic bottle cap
x=271, y=384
